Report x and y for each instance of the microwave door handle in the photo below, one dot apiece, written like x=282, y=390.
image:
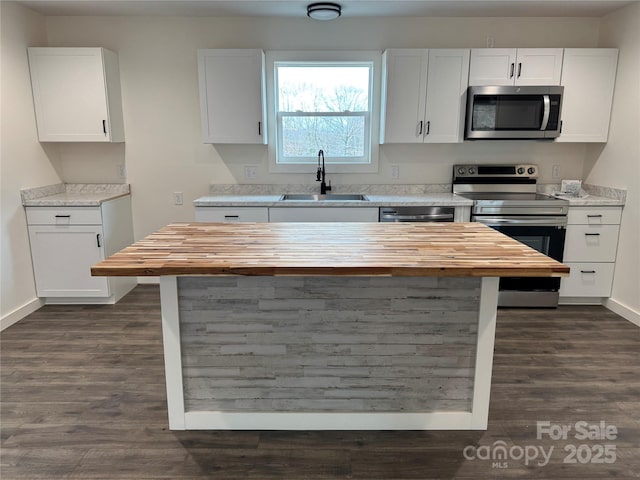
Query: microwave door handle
x=547, y=110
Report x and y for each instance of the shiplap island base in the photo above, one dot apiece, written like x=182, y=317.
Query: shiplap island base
x=369, y=326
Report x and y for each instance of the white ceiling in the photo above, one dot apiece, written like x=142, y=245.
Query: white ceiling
x=350, y=8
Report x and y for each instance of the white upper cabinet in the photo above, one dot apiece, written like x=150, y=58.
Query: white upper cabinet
x=424, y=95
x=232, y=89
x=511, y=66
x=404, y=91
x=446, y=95
x=76, y=94
x=588, y=77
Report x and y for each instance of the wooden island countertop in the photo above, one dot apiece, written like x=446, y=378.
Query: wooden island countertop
x=341, y=249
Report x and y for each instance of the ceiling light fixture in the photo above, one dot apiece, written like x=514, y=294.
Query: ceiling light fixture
x=324, y=11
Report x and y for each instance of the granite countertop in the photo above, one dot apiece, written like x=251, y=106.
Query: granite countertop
x=426, y=199
x=374, y=249
x=73, y=194
x=588, y=200
x=389, y=195
x=590, y=196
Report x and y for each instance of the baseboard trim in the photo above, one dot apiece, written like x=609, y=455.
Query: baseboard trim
x=149, y=280
x=19, y=313
x=623, y=310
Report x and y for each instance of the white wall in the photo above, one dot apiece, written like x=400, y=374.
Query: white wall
x=163, y=150
x=23, y=160
x=617, y=164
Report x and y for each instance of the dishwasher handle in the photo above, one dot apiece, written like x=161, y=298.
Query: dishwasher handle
x=444, y=217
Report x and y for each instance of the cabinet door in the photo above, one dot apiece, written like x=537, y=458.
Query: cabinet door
x=538, y=66
x=588, y=77
x=446, y=95
x=232, y=96
x=74, y=100
x=62, y=259
x=492, y=66
x=404, y=93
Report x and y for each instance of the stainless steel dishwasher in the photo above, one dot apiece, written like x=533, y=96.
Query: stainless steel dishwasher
x=417, y=214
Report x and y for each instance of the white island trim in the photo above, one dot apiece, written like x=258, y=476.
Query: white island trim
x=476, y=419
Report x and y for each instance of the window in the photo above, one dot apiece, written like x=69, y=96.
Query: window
x=323, y=101
x=324, y=106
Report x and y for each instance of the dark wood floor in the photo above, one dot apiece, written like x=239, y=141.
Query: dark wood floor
x=83, y=397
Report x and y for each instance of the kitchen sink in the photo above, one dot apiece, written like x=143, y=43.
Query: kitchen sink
x=336, y=197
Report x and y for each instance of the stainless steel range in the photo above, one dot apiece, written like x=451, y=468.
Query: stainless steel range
x=505, y=198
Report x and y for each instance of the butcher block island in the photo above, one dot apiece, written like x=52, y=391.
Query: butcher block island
x=340, y=326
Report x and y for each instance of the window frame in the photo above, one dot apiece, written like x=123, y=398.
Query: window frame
x=374, y=58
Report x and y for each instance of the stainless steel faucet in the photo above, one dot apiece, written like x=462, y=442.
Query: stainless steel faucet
x=321, y=175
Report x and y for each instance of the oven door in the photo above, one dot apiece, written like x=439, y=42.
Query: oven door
x=544, y=234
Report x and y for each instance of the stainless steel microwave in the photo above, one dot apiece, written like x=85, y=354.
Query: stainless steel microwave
x=509, y=112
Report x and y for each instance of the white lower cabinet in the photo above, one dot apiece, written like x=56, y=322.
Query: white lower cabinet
x=590, y=252
x=232, y=214
x=591, y=243
x=588, y=280
x=323, y=214
x=62, y=256
x=67, y=241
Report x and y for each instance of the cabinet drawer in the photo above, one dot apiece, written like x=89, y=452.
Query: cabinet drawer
x=588, y=280
x=232, y=214
x=64, y=216
x=594, y=216
x=593, y=243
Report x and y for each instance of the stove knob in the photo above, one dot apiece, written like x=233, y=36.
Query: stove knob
x=520, y=170
x=531, y=170
x=472, y=170
x=461, y=171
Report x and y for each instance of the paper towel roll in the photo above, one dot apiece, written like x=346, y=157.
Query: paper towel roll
x=571, y=187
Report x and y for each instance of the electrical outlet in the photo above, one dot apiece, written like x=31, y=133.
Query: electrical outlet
x=489, y=41
x=555, y=171
x=250, y=171
x=122, y=170
x=177, y=198
x=395, y=171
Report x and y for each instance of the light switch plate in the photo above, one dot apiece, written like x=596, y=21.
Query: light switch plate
x=177, y=198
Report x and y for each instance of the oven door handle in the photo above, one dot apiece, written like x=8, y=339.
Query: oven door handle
x=535, y=221
x=546, y=113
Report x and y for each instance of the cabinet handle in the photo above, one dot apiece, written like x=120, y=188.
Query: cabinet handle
x=511, y=72
x=587, y=271
x=428, y=127
x=63, y=216
x=420, y=129
x=260, y=128
x=592, y=234
x=98, y=240
x=104, y=127
x=231, y=216
x=560, y=126
x=519, y=69
x=594, y=216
